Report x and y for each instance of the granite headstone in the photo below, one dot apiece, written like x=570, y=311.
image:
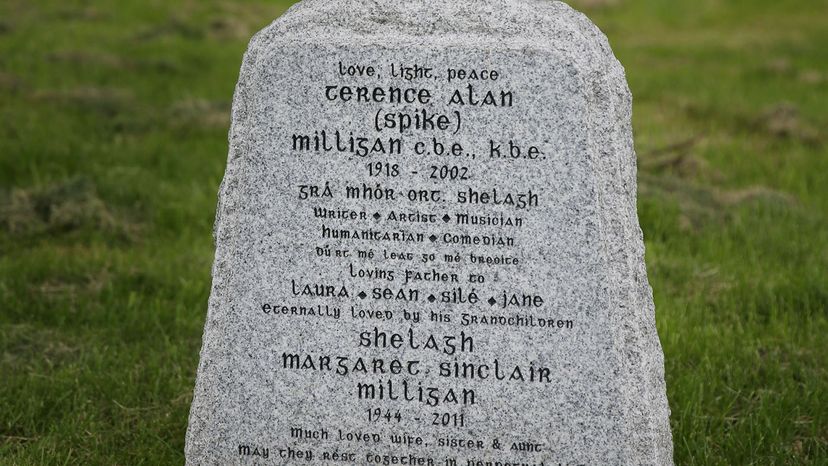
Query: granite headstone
x=427, y=246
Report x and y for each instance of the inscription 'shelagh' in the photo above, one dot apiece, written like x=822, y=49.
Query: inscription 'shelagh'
x=427, y=247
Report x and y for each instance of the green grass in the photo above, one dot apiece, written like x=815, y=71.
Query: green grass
x=113, y=123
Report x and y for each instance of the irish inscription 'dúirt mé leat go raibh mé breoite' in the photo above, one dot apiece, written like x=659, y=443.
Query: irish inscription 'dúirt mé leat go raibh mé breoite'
x=427, y=249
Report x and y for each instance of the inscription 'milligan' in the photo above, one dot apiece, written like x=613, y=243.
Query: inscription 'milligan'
x=404, y=391
x=360, y=146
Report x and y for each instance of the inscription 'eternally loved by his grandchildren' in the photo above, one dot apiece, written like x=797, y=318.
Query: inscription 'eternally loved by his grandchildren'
x=427, y=247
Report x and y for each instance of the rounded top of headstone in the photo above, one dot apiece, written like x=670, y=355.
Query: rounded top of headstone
x=517, y=24
x=392, y=19
x=426, y=17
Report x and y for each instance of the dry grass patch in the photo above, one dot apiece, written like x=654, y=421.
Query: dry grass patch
x=10, y=82
x=784, y=121
x=107, y=101
x=701, y=204
x=24, y=346
x=85, y=57
x=593, y=4
x=201, y=112
x=58, y=208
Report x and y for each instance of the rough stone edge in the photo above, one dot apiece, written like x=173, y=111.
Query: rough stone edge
x=236, y=153
x=654, y=436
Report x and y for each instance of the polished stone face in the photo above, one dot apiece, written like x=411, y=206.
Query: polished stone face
x=427, y=247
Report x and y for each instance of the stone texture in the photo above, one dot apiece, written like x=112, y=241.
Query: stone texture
x=580, y=248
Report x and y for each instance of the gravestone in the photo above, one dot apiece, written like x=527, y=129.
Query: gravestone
x=427, y=246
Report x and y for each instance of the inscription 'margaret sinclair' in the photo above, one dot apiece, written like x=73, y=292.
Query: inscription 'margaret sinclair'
x=427, y=249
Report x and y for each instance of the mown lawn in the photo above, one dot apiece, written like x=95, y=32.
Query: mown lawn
x=113, y=123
